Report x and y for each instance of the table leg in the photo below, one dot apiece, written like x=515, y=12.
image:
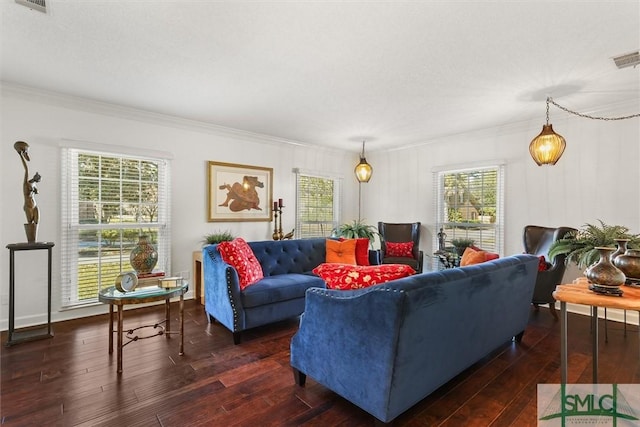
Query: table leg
x=594, y=336
x=120, y=322
x=181, y=352
x=167, y=317
x=110, y=328
x=563, y=342
x=606, y=330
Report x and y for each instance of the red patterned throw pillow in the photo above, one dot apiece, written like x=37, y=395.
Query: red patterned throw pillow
x=543, y=265
x=343, y=276
x=238, y=254
x=404, y=249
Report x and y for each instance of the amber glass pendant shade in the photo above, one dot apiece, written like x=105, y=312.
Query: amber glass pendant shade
x=547, y=147
x=363, y=170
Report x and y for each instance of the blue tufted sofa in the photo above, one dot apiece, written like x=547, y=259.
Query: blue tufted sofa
x=286, y=265
x=387, y=347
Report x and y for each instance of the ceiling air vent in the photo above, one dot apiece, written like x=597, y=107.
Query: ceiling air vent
x=627, y=60
x=39, y=5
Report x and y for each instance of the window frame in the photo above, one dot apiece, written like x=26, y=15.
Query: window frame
x=440, y=205
x=72, y=225
x=336, y=204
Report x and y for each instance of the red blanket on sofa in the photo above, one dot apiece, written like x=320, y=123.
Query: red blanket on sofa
x=347, y=276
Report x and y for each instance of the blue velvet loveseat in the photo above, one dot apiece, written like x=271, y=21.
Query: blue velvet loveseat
x=287, y=267
x=387, y=347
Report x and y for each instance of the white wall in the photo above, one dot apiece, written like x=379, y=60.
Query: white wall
x=598, y=177
x=44, y=120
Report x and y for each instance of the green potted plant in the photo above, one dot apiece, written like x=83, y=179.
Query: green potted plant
x=217, y=237
x=461, y=244
x=579, y=246
x=355, y=230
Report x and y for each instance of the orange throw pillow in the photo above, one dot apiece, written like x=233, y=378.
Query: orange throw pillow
x=488, y=256
x=470, y=257
x=341, y=252
x=362, y=250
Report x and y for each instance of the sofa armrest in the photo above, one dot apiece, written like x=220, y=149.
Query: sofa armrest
x=222, y=289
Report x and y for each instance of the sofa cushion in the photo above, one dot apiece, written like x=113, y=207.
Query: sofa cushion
x=402, y=249
x=345, y=276
x=289, y=256
x=239, y=255
x=341, y=252
x=278, y=288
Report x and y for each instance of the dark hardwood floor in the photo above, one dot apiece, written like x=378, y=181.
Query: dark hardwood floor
x=71, y=380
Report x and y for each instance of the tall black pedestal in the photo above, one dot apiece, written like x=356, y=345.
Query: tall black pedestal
x=31, y=333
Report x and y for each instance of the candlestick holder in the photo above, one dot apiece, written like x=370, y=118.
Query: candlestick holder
x=277, y=231
x=278, y=234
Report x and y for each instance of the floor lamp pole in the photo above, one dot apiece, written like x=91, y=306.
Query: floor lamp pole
x=359, y=200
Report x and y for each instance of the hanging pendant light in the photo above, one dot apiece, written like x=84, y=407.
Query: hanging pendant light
x=548, y=146
x=363, y=169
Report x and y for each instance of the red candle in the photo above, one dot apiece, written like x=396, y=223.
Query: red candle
x=275, y=206
x=280, y=202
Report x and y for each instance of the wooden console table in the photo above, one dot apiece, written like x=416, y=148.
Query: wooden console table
x=579, y=293
x=28, y=334
x=198, y=276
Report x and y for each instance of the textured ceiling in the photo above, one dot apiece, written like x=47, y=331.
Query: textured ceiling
x=331, y=73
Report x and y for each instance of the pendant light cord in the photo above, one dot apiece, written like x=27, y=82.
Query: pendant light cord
x=550, y=100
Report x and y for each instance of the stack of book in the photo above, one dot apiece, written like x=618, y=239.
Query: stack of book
x=170, y=282
x=150, y=279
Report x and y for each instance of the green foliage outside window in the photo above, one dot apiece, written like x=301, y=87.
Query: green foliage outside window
x=469, y=205
x=316, y=199
x=117, y=200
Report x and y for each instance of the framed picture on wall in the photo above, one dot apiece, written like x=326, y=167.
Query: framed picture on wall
x=239, y=192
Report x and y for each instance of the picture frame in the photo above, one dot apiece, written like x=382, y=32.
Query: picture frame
x=239, y=193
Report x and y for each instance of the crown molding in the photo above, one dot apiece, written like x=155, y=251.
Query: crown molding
x=59, y=99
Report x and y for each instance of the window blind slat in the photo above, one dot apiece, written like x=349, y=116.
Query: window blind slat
x=317, y=205
x=108, y=200
x=469, y=204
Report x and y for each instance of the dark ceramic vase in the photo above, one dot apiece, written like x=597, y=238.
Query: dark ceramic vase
x=144, y=256
x=622, y=248
x=629, y=263
x=604, y=273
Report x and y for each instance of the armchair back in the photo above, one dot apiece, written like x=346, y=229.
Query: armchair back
x=401, y=233
x=537, y=240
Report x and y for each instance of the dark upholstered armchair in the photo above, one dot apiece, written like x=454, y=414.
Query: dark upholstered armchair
x=401, y=233
x=537, y=241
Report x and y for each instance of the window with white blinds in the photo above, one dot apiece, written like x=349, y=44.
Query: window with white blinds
x=317, y=205
x=108, y=200
x=469, y=205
